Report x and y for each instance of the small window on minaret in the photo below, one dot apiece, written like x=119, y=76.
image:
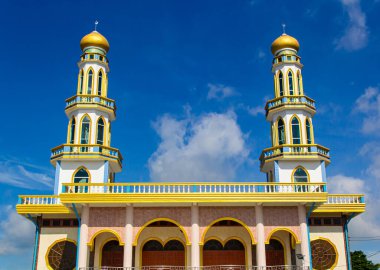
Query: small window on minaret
x=100, y=136
x=100, y=83
x=90, y=82
x=308, y=131
x=81, y=82
x=281, y=132
x=290, y=80
x=85, y=131
x=296, y=134
x=299, y=83
x=300, y=176
x=281, y=84
x=72, y=131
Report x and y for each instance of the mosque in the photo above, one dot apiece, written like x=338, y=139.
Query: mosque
x=288, y=222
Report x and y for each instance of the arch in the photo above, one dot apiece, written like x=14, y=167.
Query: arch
x=162, y=219
x=52, y=245
x=271, y=251
x=85, y=130
x=227, y=218
x=241, y=241
x=90, y=81
x=225, y=253
x=281, y=131
x=80, y=82
x=282, y=229
x=280, y=84
x=100, y=82
x=217, y=242
x=91, y=242
x=163, y=244
x=77, y=170
x=291, y=88
x=71, y=133
x=299, y=83
x=100, y=129
x=309, y=131
x=297, y=170
x=294, y=129
x=334, y=247
x=102, y=246
x=283, y=246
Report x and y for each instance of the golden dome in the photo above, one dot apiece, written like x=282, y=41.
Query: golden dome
x=95, y=39
x=284, y=41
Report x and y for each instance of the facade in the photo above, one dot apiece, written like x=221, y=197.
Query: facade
x=288, y=222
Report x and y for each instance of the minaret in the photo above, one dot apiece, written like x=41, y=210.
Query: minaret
x=87, y=155
x=294, y=156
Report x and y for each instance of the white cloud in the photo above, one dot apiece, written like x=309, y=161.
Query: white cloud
x=369, y=105
x=368, y=223
x=209, y=147
x=16, y=233
x=220, y=91
x=254, y=111
x=355, y=36
x=24, y=175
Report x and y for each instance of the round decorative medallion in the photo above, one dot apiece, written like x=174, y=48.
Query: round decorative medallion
x=323, y=254
x=62, y=255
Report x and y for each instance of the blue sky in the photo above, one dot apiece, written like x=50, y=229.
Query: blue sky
x=181, y=74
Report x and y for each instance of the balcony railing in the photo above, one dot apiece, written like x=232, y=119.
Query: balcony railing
x=192, y=188
x=345, y=199
x=91, y=99
x=289, y=100
x=297, y=149
x=39, y=200
x=211, y=267
x=79, y=149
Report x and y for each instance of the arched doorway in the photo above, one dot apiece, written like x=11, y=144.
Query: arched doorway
x=231, y=253
x=156, y=254
x=275, y=253
x=112, y=254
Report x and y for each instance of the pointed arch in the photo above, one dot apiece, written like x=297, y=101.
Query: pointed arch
x=295, y=130
x=309, y=131
x=85, y=129
x=100, y=130
x=290, y=76
x=280, y=84
x=300, y=175
x=91, y=242
x=71, y=134
x=81, y=175
x=90, y=81
x=100, y=82
x=281, y=133
x=80, y=82
x=299, y=83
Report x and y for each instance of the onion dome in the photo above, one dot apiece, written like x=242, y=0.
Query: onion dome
x=94, y=39
x=285, y=42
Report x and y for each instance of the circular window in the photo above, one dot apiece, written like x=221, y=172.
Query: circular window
x=323, y=254
x=62, y=255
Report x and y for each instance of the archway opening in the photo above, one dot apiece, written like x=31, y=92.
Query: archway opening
x=275, y=253
x=157, y=255
x=112, y=254
x=232, y=253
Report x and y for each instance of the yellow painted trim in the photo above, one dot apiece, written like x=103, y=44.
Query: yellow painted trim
x=91, y=242
x=92, y=79
x=278, y=135
x=335, y=249
x=281, y=84
x=80, y=80
x=162, y=219
x=77, y=170
x=97, y=130
x=42, y=209
x=163, y=243
x=282, y=229
x=303, y=168
x=311, y=130
x=299, y=83
x=51, y=246
x=288, y=83
x=69, y=129
x=227, y=218
x=100, y=72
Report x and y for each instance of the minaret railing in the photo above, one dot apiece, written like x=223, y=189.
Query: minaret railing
x=91, y=99
x=290, y=100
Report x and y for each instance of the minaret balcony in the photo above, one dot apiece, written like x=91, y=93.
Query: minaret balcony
x=90, y=101
x=88, y=152
x=288, y=102
x=294, y=152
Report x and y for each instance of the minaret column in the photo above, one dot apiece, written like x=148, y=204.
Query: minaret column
x=128, y=248
x=83, y=249
x=304, y=234
x=195, y=261
x=260, y=237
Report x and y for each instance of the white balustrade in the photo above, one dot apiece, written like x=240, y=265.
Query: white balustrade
x=39, y=200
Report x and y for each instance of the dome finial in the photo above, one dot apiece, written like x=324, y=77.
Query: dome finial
x=96, y=24
x=283, y=28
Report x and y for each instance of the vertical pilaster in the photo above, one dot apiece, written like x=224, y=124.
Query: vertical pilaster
x=304, y=234
x=260, y=237
x=128, y=237
x=195, y=258
x=83, y=249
